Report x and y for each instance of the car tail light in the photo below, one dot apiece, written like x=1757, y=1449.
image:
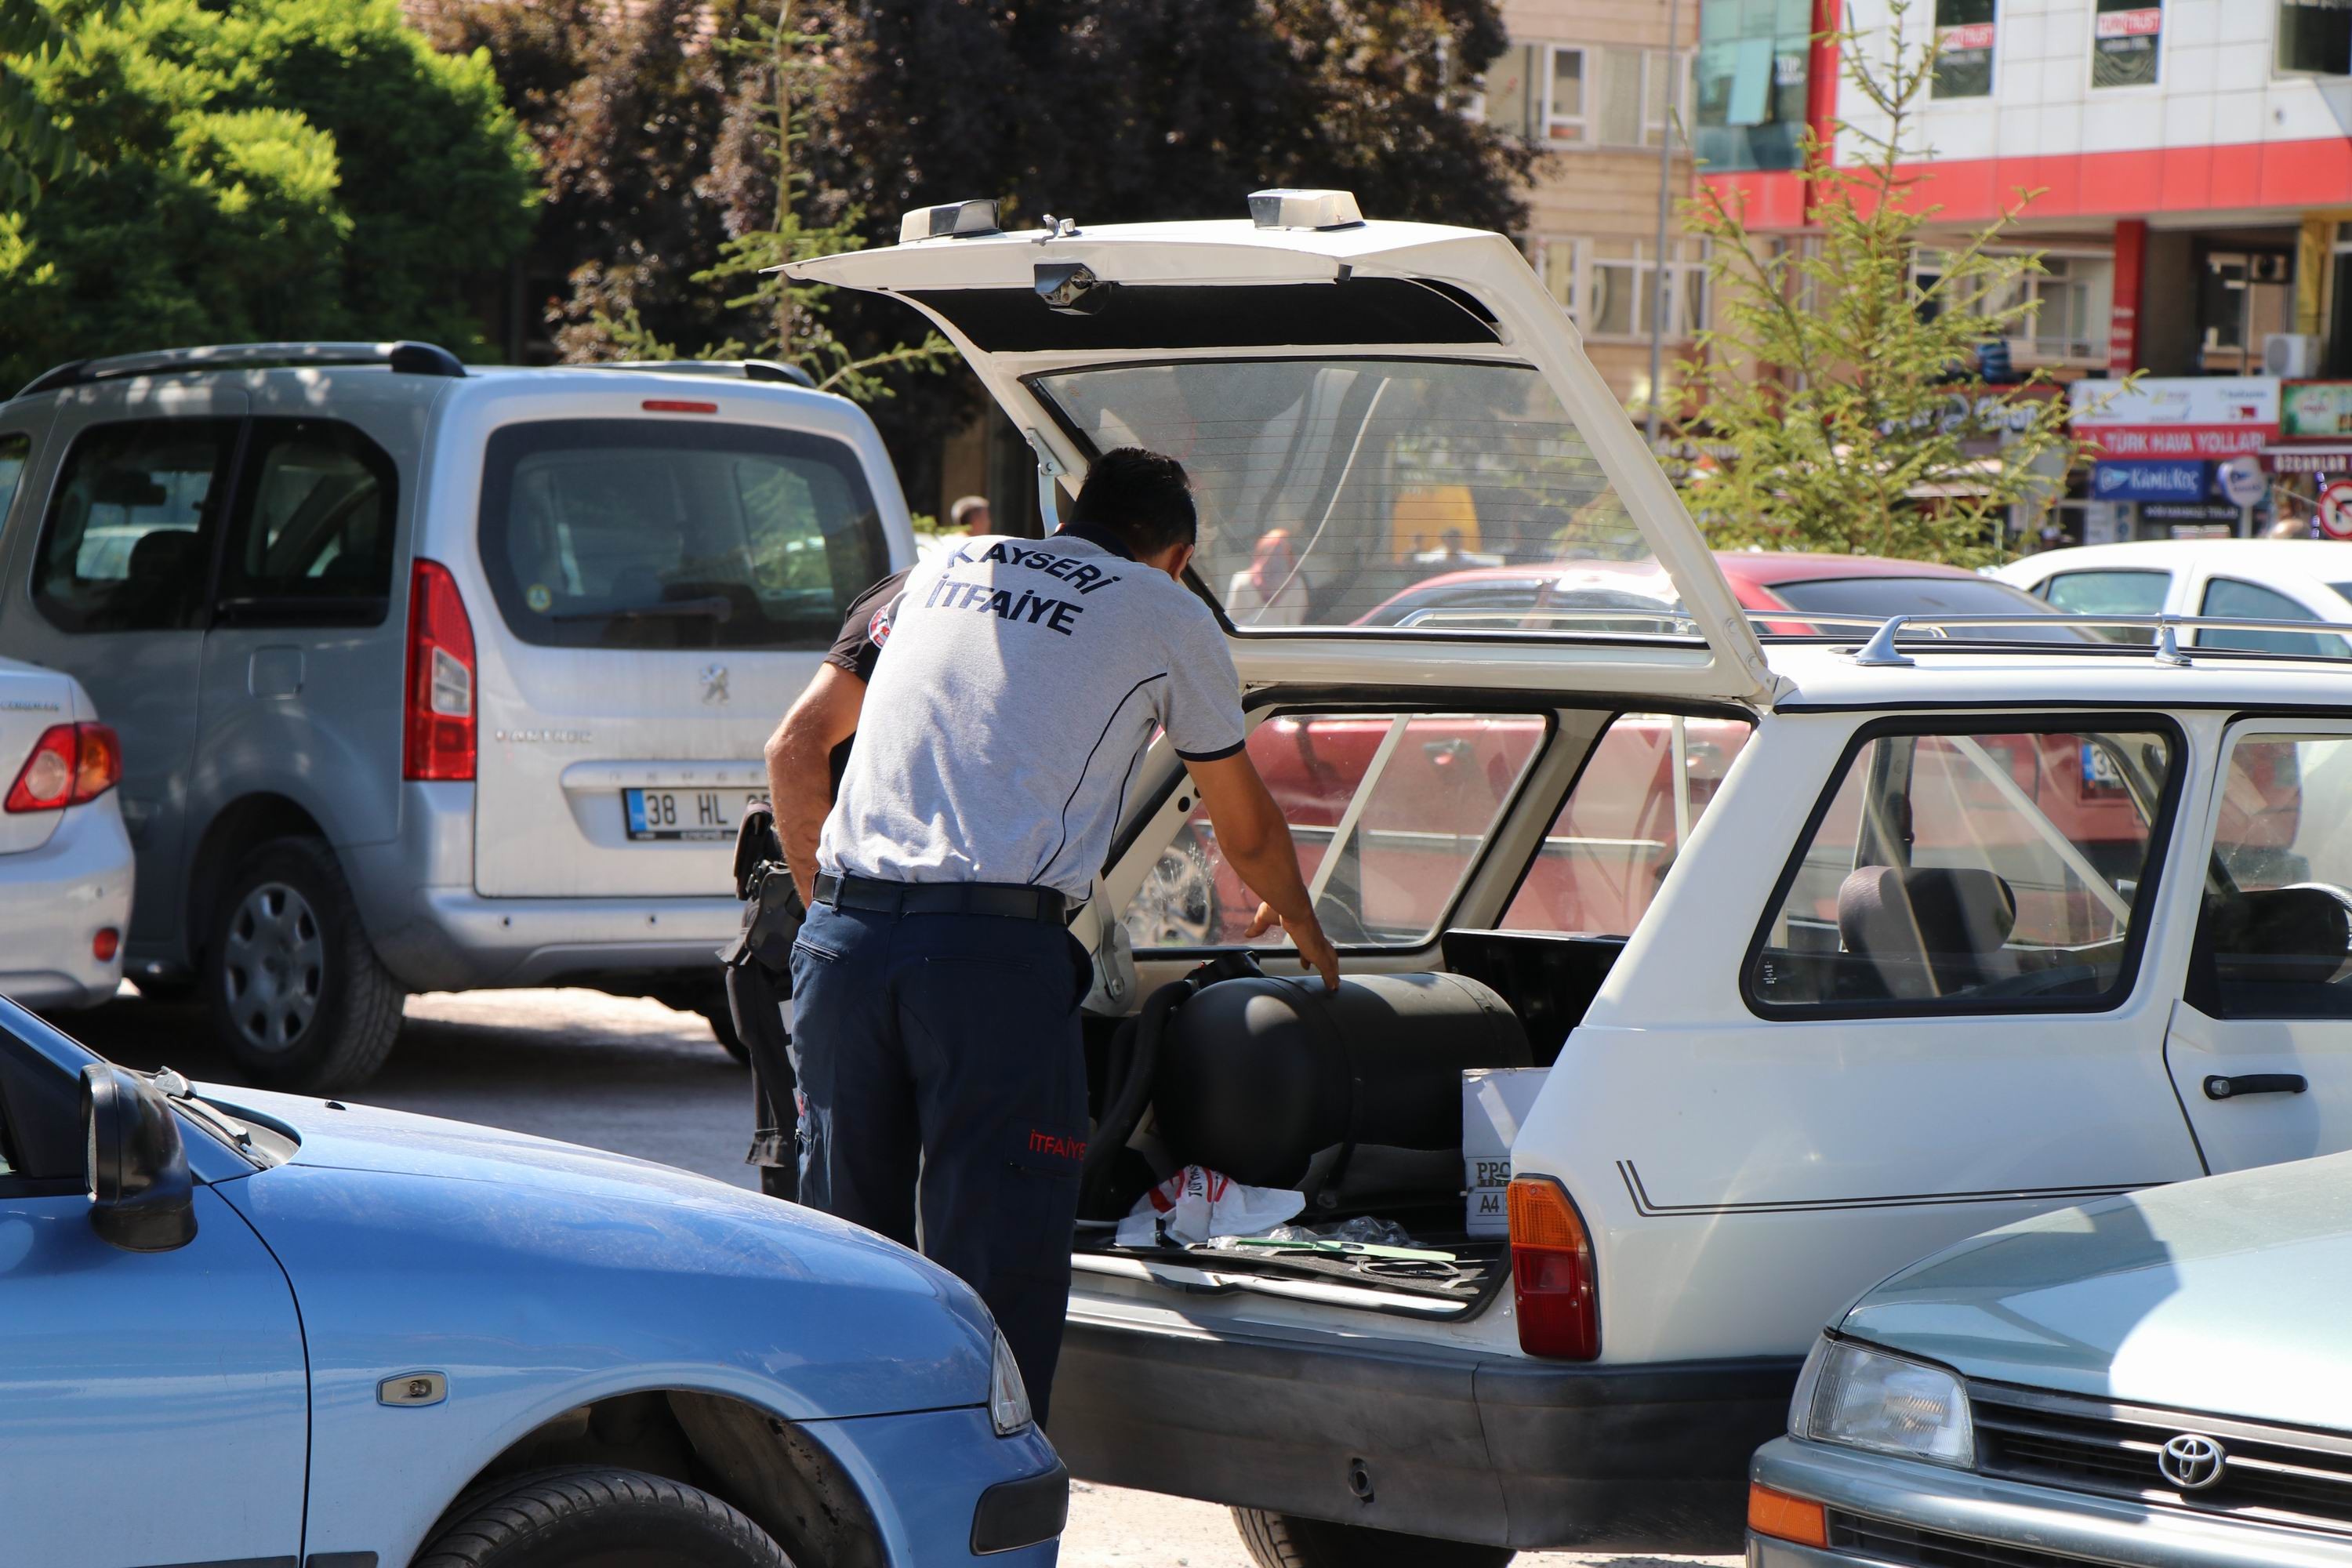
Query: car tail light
x=1786, y=1518
x=106, y=945
x=71, y=764
x=1552, y=1272
x=679, y=405
x=440, y=733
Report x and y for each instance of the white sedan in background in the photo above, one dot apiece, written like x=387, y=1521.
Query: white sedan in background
x=2255, y=579
x=65, y=859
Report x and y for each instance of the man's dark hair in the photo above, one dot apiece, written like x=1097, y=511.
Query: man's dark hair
x=1143, y=497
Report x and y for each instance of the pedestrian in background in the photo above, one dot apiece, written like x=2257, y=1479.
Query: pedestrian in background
x=936, y=983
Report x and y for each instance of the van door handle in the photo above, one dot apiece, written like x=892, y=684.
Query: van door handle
x=2217, y=1086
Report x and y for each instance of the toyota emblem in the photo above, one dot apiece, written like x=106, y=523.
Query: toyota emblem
x=2192, y=1462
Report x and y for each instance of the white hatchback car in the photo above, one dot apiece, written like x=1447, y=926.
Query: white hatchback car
x=1836, y=952
x=64, y=858
x=2240, y=579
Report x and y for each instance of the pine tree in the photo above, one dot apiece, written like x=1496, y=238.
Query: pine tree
x=1838, y=399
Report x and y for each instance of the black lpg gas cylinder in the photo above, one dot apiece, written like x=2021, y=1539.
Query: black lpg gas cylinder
x=1258, y=1074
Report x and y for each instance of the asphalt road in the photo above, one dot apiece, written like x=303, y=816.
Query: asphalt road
x=635, y=1077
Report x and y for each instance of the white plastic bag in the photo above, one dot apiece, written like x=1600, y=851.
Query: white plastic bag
x=1196, y=1203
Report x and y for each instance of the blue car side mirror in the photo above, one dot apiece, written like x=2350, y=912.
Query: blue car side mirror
x=141, y=1197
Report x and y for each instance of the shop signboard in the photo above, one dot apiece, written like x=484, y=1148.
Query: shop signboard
x=2241, y=481
x=2201, y=513
x=2164, y=480
x=2209, y=417
x=2312, y=410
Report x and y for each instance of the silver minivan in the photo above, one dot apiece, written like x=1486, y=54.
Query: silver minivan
x=431, y=678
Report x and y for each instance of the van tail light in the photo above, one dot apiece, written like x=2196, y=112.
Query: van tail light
x=440, y=742
x=71, y=764
x=1552, y=1272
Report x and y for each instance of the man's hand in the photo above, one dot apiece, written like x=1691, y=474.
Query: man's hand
x=1314, y=950
x=1256, y=842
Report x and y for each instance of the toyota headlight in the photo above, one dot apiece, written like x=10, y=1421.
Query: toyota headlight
x=1008, y=1396
x=1865, y=1398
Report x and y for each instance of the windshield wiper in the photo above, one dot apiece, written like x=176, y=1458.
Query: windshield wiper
x=716, y=607
x=176, y=1089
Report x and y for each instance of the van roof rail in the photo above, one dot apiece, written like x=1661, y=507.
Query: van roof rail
x=749, y=369
x=407, y=357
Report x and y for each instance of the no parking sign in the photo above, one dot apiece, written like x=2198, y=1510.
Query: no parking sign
x=2336, y=509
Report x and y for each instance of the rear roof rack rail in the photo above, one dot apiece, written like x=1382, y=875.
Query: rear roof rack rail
x=1881, y=649
x=405, y=357
x=749, y=369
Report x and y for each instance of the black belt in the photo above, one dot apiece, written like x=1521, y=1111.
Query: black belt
x=1009, y=900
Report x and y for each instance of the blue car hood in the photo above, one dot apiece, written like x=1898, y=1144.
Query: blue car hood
x=411, y=1240
x=2223, y=1296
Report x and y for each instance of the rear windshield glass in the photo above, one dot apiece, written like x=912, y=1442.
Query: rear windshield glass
x=653, y=535
x=1880, y=596
x=1338, y=492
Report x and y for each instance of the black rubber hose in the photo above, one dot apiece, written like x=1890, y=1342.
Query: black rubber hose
x=1132, y=1060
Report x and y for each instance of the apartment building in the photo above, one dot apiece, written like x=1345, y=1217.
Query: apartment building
x=2189, y=162
x=1589, y=81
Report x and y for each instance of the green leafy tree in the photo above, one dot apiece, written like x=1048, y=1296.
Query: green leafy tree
x=789, y=319
x=1837, y=391
x=275, y=169
x=37, y=144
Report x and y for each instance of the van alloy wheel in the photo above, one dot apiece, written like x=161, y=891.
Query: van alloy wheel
x=296, y=991
x=274, y=965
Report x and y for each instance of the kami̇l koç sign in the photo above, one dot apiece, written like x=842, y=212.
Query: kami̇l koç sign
x=2156, y=481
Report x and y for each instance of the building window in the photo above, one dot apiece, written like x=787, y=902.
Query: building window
x=2315, y=36
x=2125, y=43
x=2069, y=300
x=1564, y=112
x=1748, y=100
x=1602, y=98
x=1606, y=285
x=1964, y=34
x=2243, y=298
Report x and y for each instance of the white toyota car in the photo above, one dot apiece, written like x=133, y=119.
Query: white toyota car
x=64, y=858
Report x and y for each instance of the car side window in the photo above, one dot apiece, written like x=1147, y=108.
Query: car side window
x=312, y=534
x=128, y=543
x=1979, y=870
x=2110, y=593
x=2275, y=937
x=1641, y=791
x=2248, y=601
x=1389, y=811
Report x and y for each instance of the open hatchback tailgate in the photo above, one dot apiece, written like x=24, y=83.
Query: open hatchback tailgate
x=1395, y=434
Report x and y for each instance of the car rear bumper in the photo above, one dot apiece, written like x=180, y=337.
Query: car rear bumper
x=435, y=933
x=1422, y=1438
x=1888, y=1511
x=55, y=900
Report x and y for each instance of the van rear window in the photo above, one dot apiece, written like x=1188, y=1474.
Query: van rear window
x=653, y=535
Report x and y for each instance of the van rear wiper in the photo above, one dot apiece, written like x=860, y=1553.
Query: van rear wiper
x=716, y=607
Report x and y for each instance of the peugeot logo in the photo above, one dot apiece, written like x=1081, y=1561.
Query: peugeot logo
x=2192, y=1462
x=714, y=683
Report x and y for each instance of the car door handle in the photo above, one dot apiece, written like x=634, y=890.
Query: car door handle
x=2217, y=1086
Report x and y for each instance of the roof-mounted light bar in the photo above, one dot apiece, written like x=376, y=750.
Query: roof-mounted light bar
x=949, y=220
x=1304, y=209
x=405, y=358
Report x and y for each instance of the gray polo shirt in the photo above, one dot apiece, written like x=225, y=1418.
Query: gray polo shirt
x=1020, y=681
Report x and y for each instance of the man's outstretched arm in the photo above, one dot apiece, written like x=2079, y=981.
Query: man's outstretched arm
x=800, y=770
x=1256, y=844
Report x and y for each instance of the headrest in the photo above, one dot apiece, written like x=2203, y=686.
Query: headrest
x=1928, y=928
x=2287, y=935
x=163, y=552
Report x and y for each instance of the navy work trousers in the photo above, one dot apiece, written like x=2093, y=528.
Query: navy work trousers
x=947, y=1046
